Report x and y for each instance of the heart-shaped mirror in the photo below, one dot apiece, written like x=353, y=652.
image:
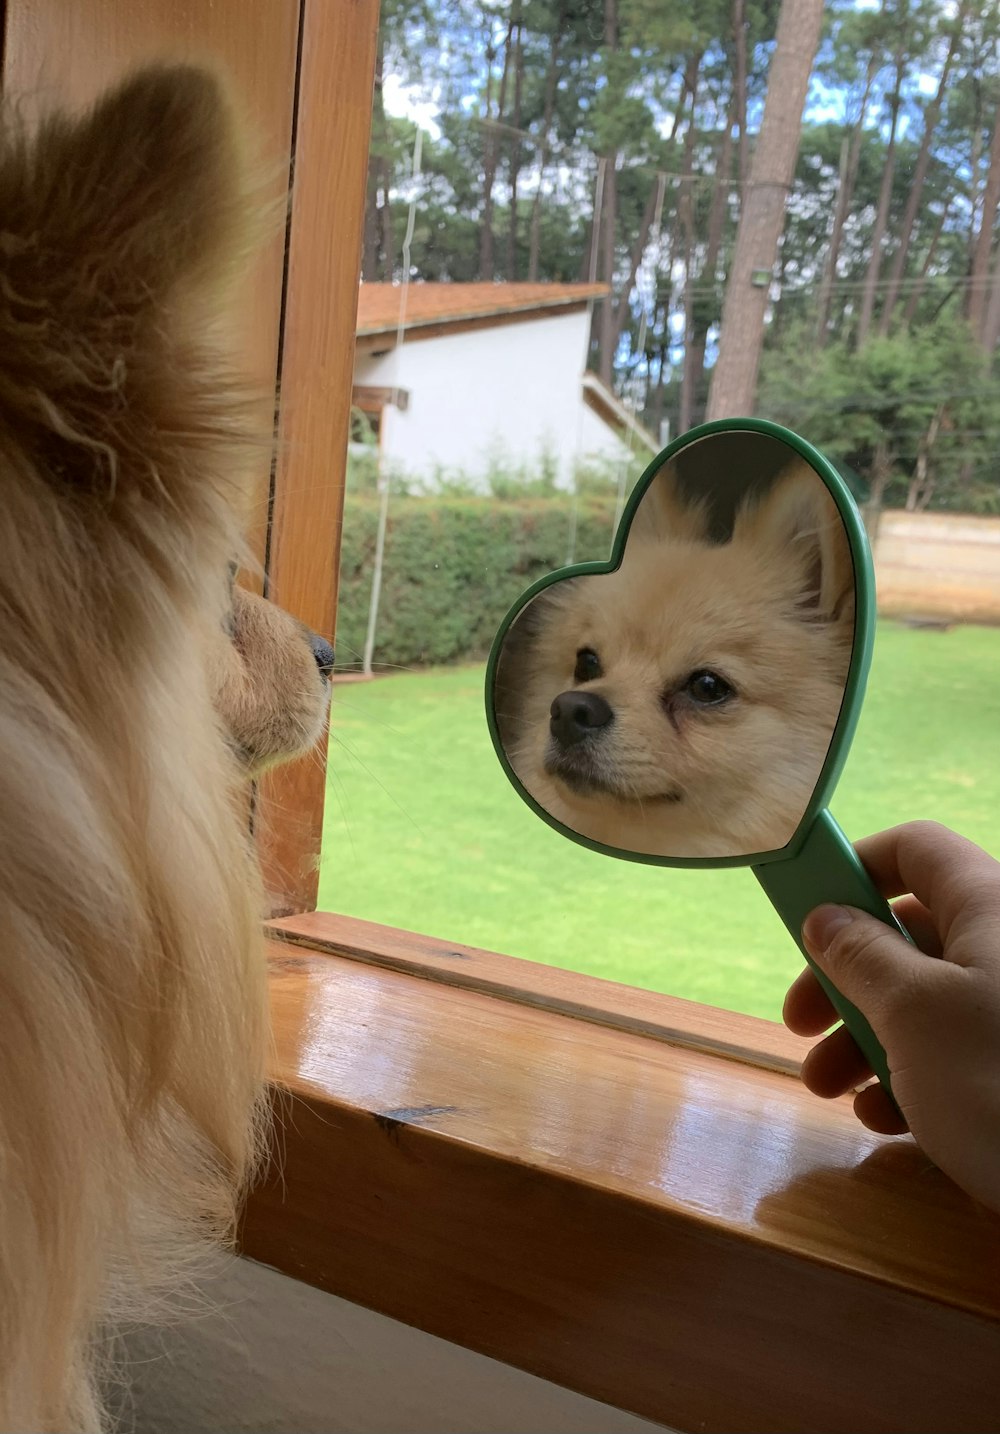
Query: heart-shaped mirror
x=691, y=701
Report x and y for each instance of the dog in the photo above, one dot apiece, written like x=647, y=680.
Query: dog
x=683, y=705
x=138, y=693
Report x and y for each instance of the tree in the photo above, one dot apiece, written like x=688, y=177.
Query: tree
x=912, y=415
x=979, y=278
x=654, y=107
x=734, y=381
x=931, y=116
x=850, y=156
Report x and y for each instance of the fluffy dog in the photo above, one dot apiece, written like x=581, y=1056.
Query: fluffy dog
x=684, y=704
x=136, y=690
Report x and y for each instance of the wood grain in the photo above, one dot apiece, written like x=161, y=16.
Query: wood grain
x=383, y=342
x=699, y=1242
x=317, y=360
x=571, y=993
x=63, y=53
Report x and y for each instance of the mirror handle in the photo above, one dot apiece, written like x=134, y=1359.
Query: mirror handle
x=826, y=868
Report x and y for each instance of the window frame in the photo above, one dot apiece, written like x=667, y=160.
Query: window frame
x=342, y=1158
x=451, y=1151
x=330, y=139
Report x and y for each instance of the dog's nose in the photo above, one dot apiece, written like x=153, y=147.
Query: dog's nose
x=575, y=715
x=323, y=653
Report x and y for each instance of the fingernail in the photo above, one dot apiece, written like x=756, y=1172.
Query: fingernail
x=822, y=925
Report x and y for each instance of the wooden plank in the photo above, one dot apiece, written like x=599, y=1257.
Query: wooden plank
x=385, y=340
x=371, y=398
x=317, y=360
x=589, y=998
x=701, y=1243
x=65, y=52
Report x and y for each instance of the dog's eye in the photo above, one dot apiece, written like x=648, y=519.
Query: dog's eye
x=707, y=688
x=588, y=666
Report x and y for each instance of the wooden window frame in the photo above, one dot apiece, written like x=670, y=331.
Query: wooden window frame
x=783, y=1270
x=622, y=1192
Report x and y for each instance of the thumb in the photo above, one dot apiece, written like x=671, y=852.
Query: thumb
x=869, y=962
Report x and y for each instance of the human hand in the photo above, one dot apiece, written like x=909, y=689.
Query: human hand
x=937, y=1015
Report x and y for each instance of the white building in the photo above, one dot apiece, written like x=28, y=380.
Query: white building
x=487, y=374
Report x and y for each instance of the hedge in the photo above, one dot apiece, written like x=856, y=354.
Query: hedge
x=453, y=566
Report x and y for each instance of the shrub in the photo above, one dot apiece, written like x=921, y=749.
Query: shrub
x=453, y=566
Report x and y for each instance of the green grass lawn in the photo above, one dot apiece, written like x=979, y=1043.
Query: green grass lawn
x=423, y=830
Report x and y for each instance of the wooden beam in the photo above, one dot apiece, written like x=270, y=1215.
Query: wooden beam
x=384, y=340
x=324, y=264
x=371, y=399
x=686, y=1237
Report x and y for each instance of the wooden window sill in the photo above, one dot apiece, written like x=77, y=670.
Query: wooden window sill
x=618, y=1191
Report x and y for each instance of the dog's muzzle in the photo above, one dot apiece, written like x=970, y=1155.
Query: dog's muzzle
x=575, y=716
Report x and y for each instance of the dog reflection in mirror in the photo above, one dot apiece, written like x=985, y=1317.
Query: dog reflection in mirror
x=138, y=692
x=683, y=705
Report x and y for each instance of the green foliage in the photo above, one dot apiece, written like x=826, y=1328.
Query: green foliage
x=927, y=392
x=453, y=567
x=585, y=80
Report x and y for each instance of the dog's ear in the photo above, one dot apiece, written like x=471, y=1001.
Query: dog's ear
x=797, y=528
x=109, y=212
x=665, y=515
x=117, y=231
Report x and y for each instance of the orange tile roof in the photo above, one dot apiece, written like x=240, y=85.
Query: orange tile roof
x=434, y=303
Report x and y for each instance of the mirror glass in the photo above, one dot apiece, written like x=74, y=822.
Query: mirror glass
x=683, y=705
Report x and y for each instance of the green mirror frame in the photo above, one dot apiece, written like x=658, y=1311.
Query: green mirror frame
x=818, y=865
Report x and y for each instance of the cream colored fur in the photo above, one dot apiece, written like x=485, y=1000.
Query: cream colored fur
x=771, y=611
x=132, y=1003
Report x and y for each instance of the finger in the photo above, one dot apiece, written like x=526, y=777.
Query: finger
x=870, y=962
x=835, y=1066
x=948, y=873
x=807, y=1010
x=918, y=921
x=875, y=1110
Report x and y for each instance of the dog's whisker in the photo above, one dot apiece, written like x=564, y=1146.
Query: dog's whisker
x=368, y=771
x=336, y=782
x=367, y=715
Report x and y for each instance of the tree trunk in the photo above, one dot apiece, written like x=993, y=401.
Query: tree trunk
x=534, y=240
x=591, y=255
x=369, y=243
x=705, y=314
x=621, y=307
x=979, y=281
x=882, y=212
x=491, y=153
x=659, y=388
x=655, y=202
x=510, y=267
x=931, y=117
x=917, y=291
x=991, y=319
x=975, y=160
x=377, y=167
x=606, y=329
x=609, y=226
x=587, y=272
x=734, y=382
x=845, y=193
x=881, y=473
x=685, y=216
x=922, y=484
x=387, y=239
x=740, y=87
